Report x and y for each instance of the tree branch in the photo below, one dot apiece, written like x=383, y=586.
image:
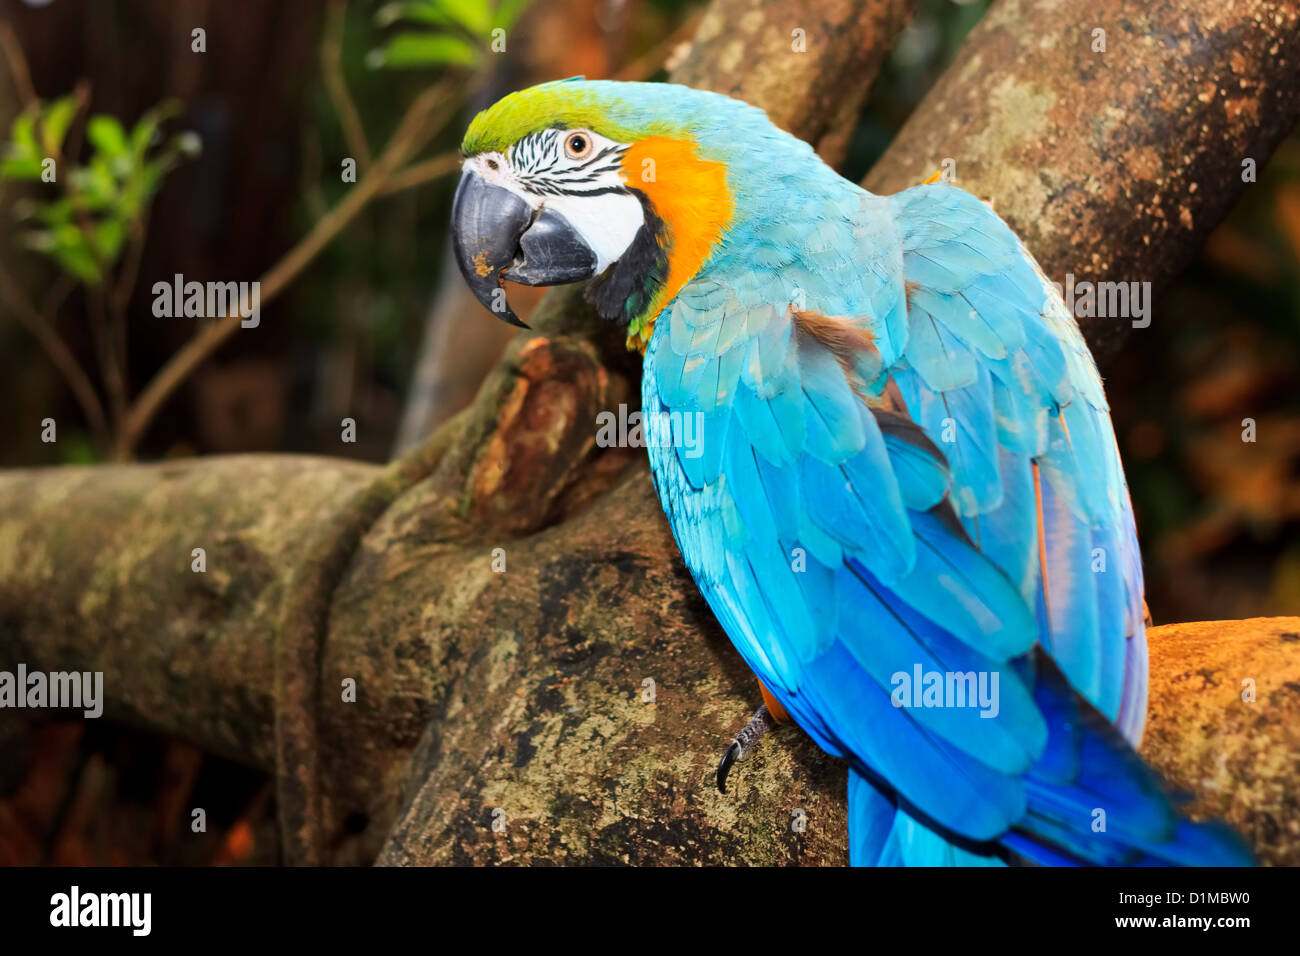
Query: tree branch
x=59, y=354
x=331, y=58
x=1112, y=166
x=13, y=53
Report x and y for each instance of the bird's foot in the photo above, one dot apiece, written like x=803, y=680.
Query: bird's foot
x=745, y=743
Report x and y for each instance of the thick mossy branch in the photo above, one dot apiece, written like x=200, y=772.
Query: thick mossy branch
x=580, y=768
x=1224, y=724
x=1114, y=165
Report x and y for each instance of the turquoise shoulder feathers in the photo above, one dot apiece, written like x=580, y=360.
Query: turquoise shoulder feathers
x=859, y=517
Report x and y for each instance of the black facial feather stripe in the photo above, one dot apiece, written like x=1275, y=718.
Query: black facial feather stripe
x=536, y=157
x=616, y=152
x=544, y=188
x=624, y=290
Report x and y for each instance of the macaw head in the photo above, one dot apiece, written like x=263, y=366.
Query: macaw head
x=630, y=184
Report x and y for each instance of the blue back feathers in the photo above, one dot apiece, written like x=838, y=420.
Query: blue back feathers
x=851, y=518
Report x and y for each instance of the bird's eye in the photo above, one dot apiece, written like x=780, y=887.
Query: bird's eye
x=577, y=145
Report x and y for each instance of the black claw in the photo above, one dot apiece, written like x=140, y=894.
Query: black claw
x=724, y=765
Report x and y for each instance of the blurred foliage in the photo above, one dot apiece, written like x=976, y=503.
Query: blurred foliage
x=103, y=201
x=455, y=32
x=363, y=304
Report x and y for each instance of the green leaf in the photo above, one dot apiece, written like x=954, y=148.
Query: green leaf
x=20, y=167
x=507, y=12
x=73, y=253
x=145, y=181
x=132, y=199
x=108, y=136
x=54, y=214
x=474, y=15
x=23, y=134
x=143, y=134
x=425, y=49
x=109, y=236
x=96, y=183
x=54, y=124
x=418, y=11
x=78, y=261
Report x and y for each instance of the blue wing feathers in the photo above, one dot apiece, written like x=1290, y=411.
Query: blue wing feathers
x=849, y=528
x=922, y=482
x=942, y=360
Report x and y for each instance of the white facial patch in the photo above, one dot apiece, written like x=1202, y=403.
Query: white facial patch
x=607, y=222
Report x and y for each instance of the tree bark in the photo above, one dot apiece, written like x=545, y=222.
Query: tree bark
x=808, y=63
x=1115, y=165
x=516, y=694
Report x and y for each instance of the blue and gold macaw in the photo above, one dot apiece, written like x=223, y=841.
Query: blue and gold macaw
x=905, y=504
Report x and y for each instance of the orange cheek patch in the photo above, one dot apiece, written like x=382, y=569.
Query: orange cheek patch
x=690, y=195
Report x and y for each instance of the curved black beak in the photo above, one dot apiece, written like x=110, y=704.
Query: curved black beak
x=496, y=236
